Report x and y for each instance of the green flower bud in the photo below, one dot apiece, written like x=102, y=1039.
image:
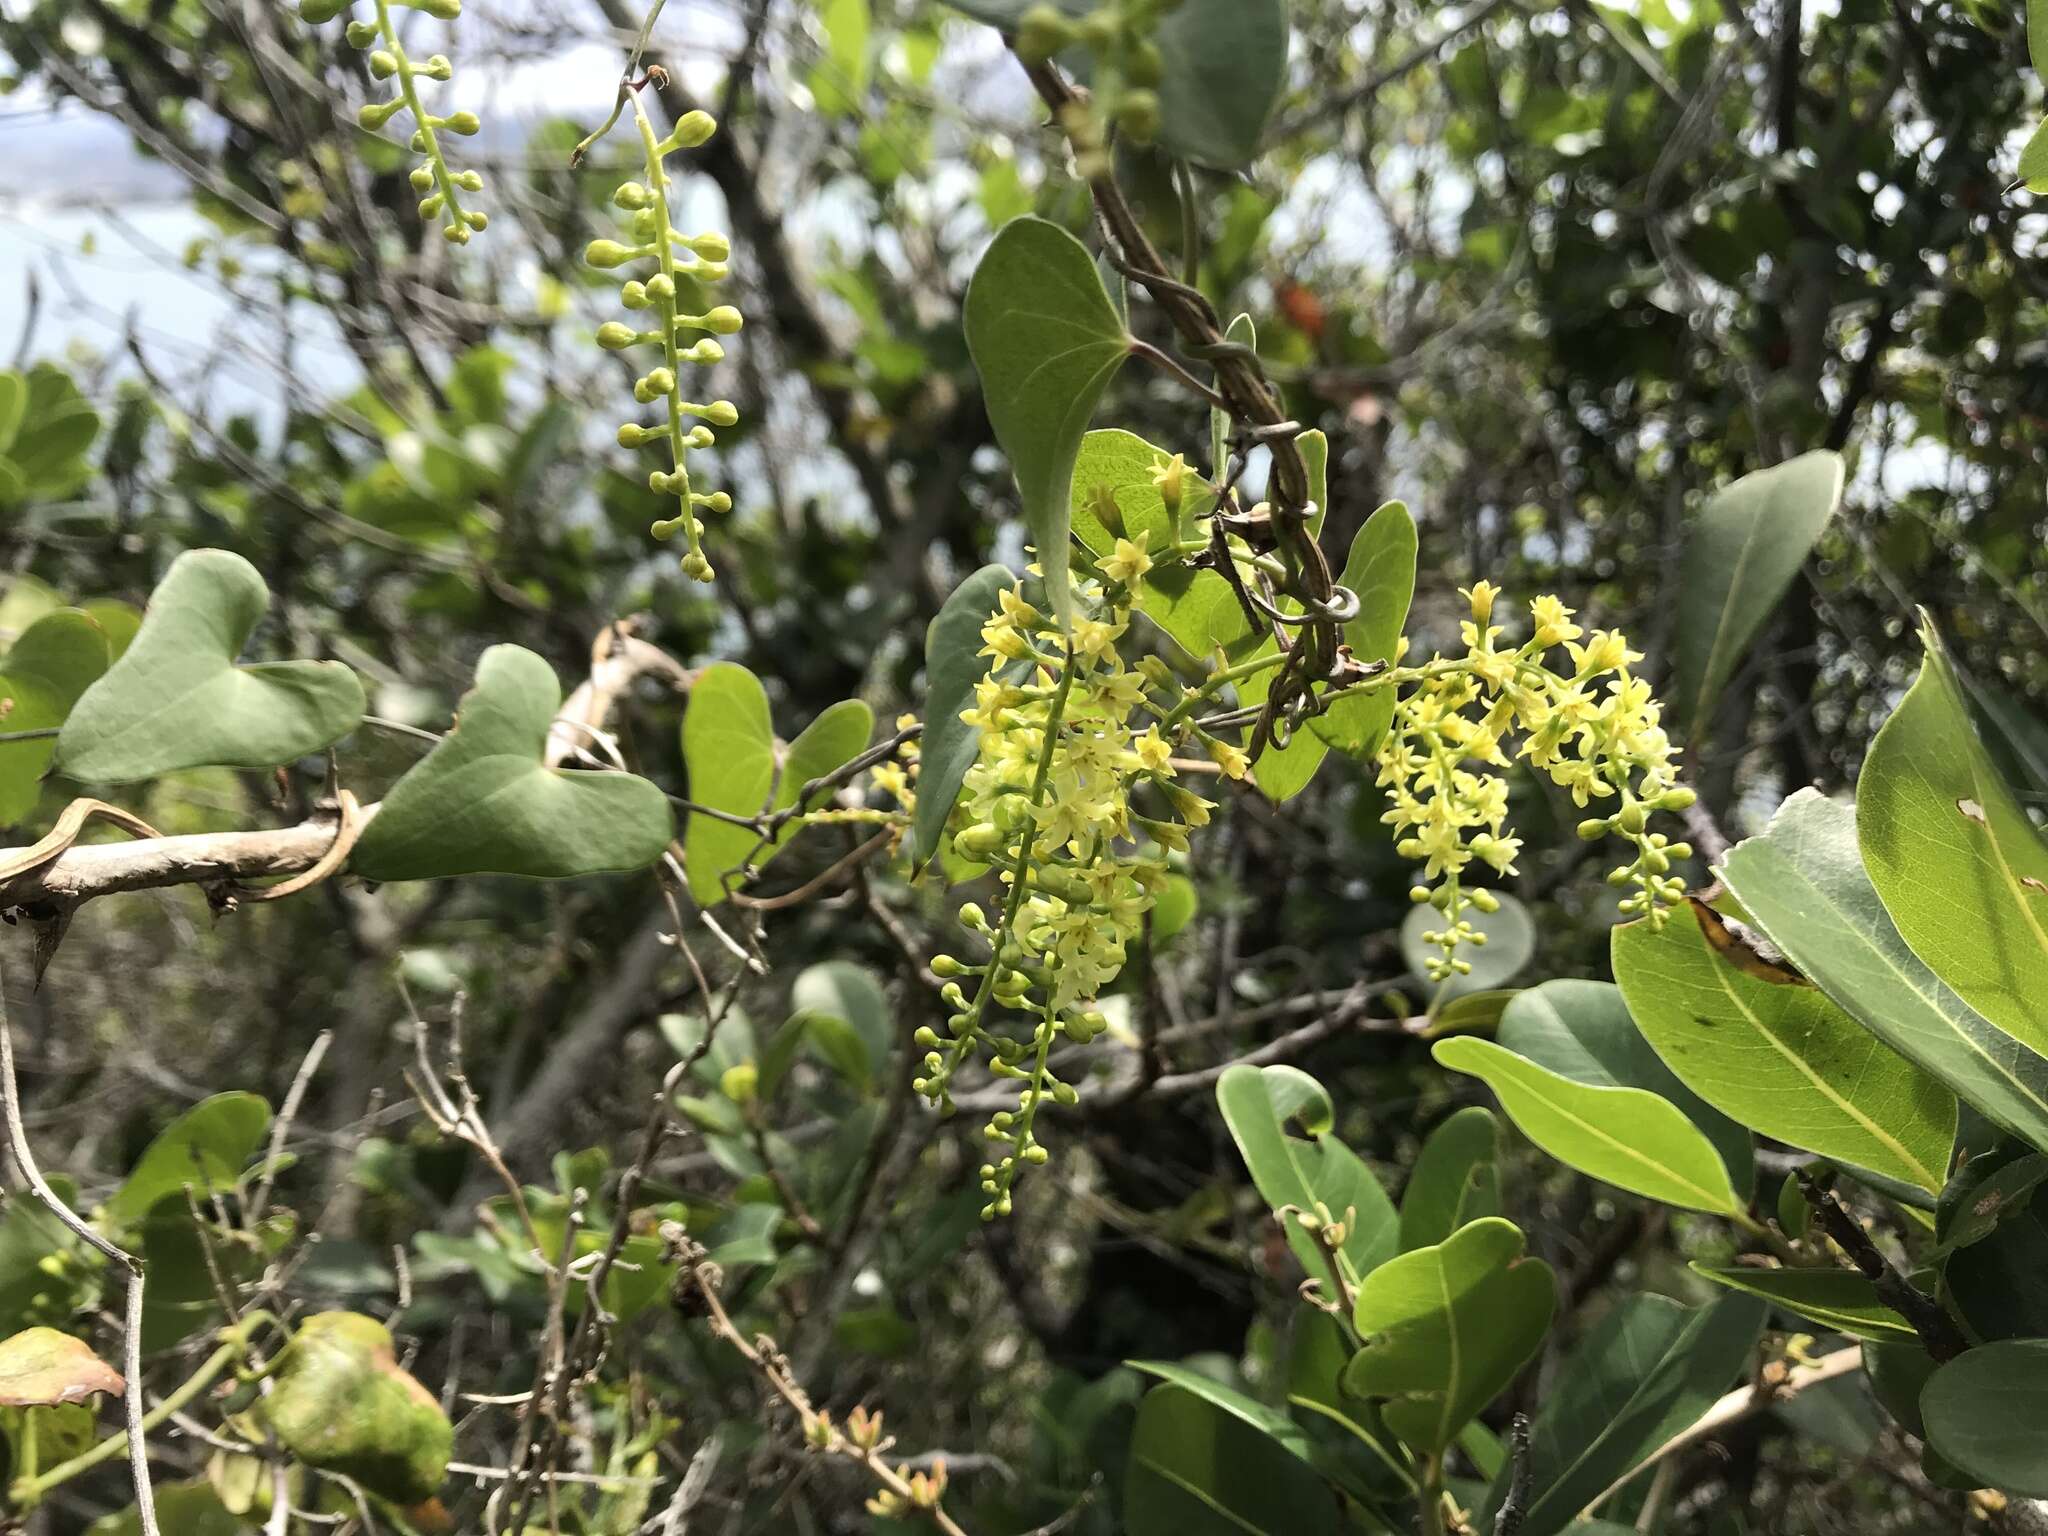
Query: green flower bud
x=632, y=435
x=421, y=177
x=464, y=123
x=926, y=1035
x=469, y=181
x=1138, y=115
x=616, y=336
x=696, y=567
x=634, y=295
x=631, y=194
x=972, y=918
x=661, y=288
x=703, y=353
x=609, y=253
x=1593, y=828
x=699, y=437
x=694, y=129
x=1677, y=799
x=741, y=1082
x=710, y=247
x=360, y=34
x=373, y=115
x=1485, y=901
x=645, y=224
x=440, y=10
x=1042, y=32
x=722, y=321
x=1145, y=66
x=383, y=65
x=431, y=205
x=1632, y=818
x=437, y=68
x=318, y=12
x=1035, y=1154
x=456, y=234
x=652, y=386
x=721, y=413
x=980, y=843
x=475, y=218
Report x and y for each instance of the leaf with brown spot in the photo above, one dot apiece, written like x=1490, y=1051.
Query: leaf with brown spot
x=343, y=1403
x=40, y=1367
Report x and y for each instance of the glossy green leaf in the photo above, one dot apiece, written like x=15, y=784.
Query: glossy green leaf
x=1196, y=608
x=729, y=750
x=206, y=1147
x=1897, y=1372
x=1625, y=1136
x=1201, y=1468
x=1781, y=1057
x=1448, y=1328
x=1804, y=884
x=1998, y=1196
x=1647, y=1370
x=1582, y=1030
x=1992, y=1222
x=1960, y=868
x=177, y=699
x=485, y=802
x=1742, y=554
x=1381, y=570
x=41, y=677
x=1510, y=945
x=2037, y=36
x=2033, y=165
x=1839, y=1299
x=1257, y=1103
x=341, y=1402
x=953, y=664
x=1456, y=1179
x=840, y=734
x=41, y=1366
x=1046, y=340
x=1223, y=64
x=1987, y=1412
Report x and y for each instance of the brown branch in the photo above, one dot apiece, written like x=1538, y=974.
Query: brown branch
x=1936, y=1328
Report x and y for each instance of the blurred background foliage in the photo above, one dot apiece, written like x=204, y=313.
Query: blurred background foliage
x=1547, y=272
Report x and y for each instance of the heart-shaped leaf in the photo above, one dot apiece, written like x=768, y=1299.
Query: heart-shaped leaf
x=953, y=664
x=1987, y=1412
x=835, y=738
x=1257, y=1103
x=1448, y=1329
x=56, y=659
x=1779, y=1056
x=177, y=699
x=1957, y=863
x=1746, y=547
x=1624, y=1136
x=1456, y=1179
x=484, y=802
x=1804, y=883
x=341, y=1402
x=40, y=1366
x=1046, y=341
x=1839, y=1299
x=729, y=750
x=1381, y=570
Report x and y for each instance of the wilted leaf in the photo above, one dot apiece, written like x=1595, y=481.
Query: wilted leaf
x=341, y=1402
x=40, y=1367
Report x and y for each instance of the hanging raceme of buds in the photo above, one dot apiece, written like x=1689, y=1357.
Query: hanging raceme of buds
x=1048, y=804
x=440, y=188
x=676, y=257
x=1123, y=83
x=1592, y=727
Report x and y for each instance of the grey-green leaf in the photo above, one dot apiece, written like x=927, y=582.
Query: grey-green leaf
x=1743, y=552
x=177, y=699
x=1804, y=883
x=1046, y=340
x=1987, y=1411
x=1510, y=945
x=953, y=664
x=1954, y=858
x=484, y=800
x=1780, y=1056
x=1625, y=1136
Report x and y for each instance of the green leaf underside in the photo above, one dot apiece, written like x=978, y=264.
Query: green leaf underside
x=953, y=664
x=177, y=699
x=1288, y=1171
x=1987, y=1412
x=1448, y=1328
x=1744, y=551
x=1804, y=883
x=1046, y=340
x=1627, y=1137
x=1954, y=858
x=1582, y=1030
x=1648, y=1369
x=484, y=801
x=42, y=677
x=1781, y=1058
x=1199, y=1468
x=1834, y=1298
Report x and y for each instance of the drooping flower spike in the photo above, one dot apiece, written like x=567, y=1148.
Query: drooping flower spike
x=441, y=189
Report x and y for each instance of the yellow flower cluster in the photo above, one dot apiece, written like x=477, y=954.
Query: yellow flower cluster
x=1592, y=726
x=679, y=260
x=1048, y=805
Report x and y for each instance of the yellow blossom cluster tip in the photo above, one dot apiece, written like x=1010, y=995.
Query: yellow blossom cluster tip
x=679, y=260
x=1592, y=726
x=1048, y=804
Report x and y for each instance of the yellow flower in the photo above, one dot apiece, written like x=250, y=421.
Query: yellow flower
x=1129, y=560
x=1153, y=752
x=1481, y=595
x=1553, y=622
x=1233, y=762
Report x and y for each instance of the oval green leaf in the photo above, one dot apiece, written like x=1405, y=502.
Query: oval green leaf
x=1381, y=570
x=41, y=678
x=1987, y=1412
x=1199, y=1467
x=1456, y=1179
